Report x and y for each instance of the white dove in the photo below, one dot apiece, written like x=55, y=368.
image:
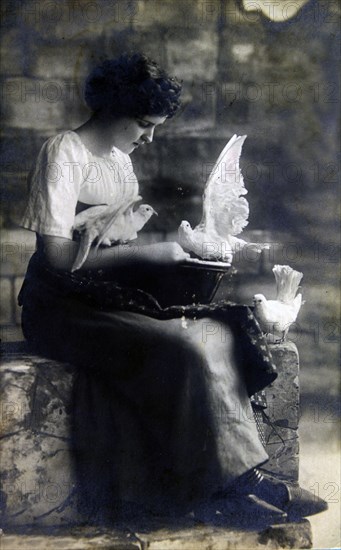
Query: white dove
x=109, y=224
x=225, y=211
x=276, y=316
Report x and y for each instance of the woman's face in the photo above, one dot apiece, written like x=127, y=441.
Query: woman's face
x=129, y=133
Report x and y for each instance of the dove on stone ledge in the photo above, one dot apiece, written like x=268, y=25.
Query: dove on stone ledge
x=109, y=224
x=225, y=210
x=276, y=316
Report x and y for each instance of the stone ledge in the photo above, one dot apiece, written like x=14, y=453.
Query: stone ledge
x=203, y=537
x=38, y=482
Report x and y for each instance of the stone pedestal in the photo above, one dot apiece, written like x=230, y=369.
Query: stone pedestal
x=38, y=481
x=281, y=426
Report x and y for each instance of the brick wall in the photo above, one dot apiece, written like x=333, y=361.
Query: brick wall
x=242, y=73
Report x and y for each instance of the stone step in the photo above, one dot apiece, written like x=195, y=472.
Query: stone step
x=161, y=537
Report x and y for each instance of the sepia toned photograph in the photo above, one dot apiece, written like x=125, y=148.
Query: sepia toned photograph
x=170, y=274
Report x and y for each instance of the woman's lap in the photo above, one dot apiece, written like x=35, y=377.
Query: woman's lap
x=161, y=408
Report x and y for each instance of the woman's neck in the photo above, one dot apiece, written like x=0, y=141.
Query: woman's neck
x=93, y=134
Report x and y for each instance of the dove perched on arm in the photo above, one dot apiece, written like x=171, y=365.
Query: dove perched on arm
x=225, y=210
x=276, y=316
x=109, y=224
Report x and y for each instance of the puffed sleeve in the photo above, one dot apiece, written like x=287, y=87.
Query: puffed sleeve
x=54, y=187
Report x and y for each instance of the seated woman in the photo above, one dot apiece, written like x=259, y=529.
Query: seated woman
x=161, y=414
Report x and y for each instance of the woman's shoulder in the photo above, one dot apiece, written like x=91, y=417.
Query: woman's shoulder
x=66, y=139
x=70, y=141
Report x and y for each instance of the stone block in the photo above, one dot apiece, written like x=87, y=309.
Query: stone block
x=243, y=51
x=226, y=537
x=175, y=14
x=18, y=281
x=179, y=160
x=38, y=481
x=18, y=151
x=284, y=459
x=192, y=54
x=13, y=44
x=59, y=61
x=298, y=535
x=17, y=246
x=70, y=63
x=37, y=474
x=13, y=195
x=10, y=213
x=66, y=541
x=10, y=333
x=231, y=106
x=6, y=303
x=68, y=20
x=237, y=30
x=281, y=424
x=198, y=110
x=150, y=42
x=35, y=104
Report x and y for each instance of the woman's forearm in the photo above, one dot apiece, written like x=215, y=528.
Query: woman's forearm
x=61, y=254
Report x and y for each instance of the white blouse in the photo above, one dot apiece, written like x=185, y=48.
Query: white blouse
x=66, y=173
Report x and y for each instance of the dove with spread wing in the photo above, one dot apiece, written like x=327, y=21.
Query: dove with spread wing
x=225, y=210
x=276, y=316
x=109, y=224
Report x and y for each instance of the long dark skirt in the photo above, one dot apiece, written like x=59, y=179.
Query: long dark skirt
x=162, y=416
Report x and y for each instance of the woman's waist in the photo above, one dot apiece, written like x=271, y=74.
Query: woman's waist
x=114, y=289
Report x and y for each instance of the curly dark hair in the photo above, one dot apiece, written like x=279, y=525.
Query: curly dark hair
x=132, y=85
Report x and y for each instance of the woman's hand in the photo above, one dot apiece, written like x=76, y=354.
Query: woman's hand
x=60, y=254
x=166, y=253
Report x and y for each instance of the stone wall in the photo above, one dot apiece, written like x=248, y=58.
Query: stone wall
x=242, y=73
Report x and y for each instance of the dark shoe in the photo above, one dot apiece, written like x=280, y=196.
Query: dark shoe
x=299, y=502
x=286, y=495
x=244, y=511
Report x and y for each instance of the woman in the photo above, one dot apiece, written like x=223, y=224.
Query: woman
x=155, y=420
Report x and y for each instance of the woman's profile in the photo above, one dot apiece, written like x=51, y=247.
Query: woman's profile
x=161, y=413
